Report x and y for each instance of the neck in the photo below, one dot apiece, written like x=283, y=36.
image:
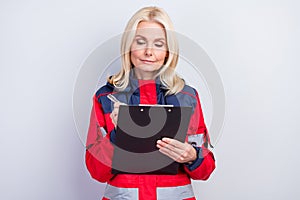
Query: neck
x=142, y=75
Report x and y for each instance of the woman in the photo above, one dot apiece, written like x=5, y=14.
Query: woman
x=149, y=57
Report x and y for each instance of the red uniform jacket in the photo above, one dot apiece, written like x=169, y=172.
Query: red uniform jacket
x=99, y=151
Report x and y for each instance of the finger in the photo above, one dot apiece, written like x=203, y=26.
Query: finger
x=114, y=117
x=181, y=158
x=115, y=111
x=171, y=147
x=169, y=153
x=117, y=105
x=161, y=144
x=174, y=142
x=173, y=155
x=175, y=145
x=186, y=154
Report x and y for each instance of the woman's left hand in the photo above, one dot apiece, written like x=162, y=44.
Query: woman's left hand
x=178, y=151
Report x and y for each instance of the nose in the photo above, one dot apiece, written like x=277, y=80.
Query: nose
x=148, y=51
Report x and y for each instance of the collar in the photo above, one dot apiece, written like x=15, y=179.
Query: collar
x=135, y=83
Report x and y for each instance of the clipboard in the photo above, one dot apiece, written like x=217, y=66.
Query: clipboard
x=138, y=129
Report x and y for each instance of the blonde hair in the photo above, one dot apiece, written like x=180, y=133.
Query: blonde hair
x=169, y=79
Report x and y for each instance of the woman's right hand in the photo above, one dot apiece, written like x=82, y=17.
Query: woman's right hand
x=114, y=113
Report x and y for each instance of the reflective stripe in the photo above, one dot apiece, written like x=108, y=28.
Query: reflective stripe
x=175, y=193
x=196, y=139
x=163, y=193
x=103, y=131
x=118, y=193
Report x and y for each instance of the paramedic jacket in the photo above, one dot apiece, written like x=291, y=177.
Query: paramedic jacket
x=99, y=146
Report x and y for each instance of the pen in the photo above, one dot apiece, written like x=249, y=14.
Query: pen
x=112, y=98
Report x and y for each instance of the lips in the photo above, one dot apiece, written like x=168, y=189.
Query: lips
x=147, y=61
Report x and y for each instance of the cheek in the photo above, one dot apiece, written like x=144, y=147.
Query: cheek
x=136, y=52
x=134, y=55
x=161, y=55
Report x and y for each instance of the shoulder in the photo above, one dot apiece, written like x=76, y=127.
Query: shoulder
x=186, y=97
x=101, y=97
x=188, y=90
x=104, y=90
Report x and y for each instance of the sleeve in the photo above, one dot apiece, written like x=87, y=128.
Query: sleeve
x=99, y=150
x=198, y=136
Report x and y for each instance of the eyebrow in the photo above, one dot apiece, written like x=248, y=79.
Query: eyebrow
x=156, y=39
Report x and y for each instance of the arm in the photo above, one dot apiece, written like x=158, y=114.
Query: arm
x=204, y=165
x=99, y=150
x=198, y=161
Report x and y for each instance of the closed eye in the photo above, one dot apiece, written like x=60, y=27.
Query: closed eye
x=140, y=41
x=159, y=44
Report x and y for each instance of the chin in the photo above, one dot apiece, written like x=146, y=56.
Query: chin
x=148, y=68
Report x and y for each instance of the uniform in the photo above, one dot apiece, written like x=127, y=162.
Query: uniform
x=99, y=145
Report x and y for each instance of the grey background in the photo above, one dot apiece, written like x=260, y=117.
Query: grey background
x=254, y=44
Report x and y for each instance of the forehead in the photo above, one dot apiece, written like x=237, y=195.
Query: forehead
x=151, y=30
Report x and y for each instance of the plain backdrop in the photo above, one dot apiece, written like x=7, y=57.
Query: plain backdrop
x=254, y=44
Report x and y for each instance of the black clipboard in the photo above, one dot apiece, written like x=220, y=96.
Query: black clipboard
x=138, y=129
